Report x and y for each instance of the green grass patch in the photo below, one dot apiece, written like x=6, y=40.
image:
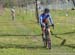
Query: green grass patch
x=22, y=36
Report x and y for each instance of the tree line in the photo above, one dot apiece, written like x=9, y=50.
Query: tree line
x=10, y=3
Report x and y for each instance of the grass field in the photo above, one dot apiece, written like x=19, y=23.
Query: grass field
x=22, y=36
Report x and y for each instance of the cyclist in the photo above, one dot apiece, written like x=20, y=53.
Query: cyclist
x=45, y=20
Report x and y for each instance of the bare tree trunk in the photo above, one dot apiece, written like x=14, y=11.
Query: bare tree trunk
x=37, y=14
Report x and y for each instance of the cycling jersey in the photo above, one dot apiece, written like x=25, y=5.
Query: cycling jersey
x=45, y=17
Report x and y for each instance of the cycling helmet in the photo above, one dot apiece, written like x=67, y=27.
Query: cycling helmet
x=46, y=10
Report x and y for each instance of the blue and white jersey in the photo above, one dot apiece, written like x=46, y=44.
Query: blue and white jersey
x=45, y=16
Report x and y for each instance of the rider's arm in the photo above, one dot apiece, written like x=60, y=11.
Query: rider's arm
x=40, y=19
x=51, y=20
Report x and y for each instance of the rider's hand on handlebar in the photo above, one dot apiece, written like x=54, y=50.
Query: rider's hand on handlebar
x=53, y=26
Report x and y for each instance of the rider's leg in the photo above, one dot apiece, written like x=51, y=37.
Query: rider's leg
x=43, y=35
x=49, y=30
x=43, y=30
x=49, y=39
